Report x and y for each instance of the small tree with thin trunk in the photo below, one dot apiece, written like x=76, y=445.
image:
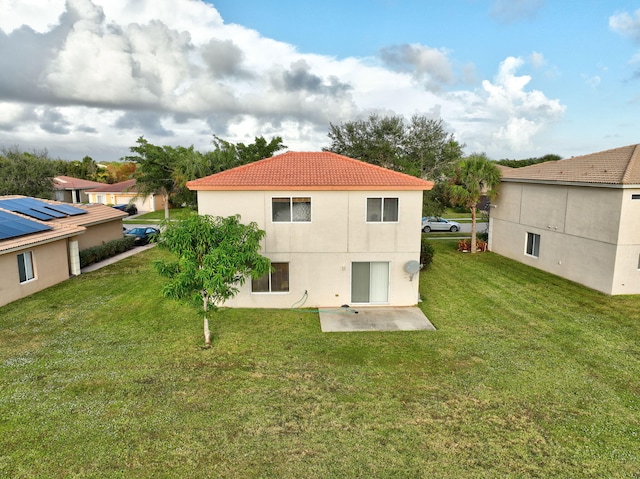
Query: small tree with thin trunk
x=215, y=256
x=474, y=176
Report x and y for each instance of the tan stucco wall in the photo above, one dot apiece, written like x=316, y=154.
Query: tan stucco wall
x=627, y=270
x=50, y=265
x=144, y=204
x=102, y=233
x=582, y=237
x=320, y=252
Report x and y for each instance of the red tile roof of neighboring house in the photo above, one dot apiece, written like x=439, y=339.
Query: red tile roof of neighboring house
x=619, y=166
x=62, y=182
x=309, y=171
x=127, y=186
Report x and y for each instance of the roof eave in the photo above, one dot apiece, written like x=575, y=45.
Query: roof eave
x=569, y=183
x=33, y=244
x=312, y=188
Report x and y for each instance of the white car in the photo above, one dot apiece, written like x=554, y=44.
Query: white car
x=433, y=223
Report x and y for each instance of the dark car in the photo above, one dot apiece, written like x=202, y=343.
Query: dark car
x=128, y=208
x=142, y=235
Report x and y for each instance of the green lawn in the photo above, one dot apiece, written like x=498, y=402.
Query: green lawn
x=527, y=375
x=158, y=216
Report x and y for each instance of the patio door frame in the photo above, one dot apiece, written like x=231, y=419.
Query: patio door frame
x=370, y=282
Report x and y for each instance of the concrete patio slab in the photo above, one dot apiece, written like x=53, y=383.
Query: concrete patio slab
x=334, y=320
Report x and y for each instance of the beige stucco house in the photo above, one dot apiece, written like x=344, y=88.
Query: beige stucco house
x=124, y=193
x=37, y=252
x=578, y=218
x=73, y=190
x=338, y=231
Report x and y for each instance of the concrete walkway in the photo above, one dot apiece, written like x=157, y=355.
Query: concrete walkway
x=334, y=320
x=116, y=258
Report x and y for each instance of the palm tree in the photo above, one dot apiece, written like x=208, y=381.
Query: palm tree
x=474, y=176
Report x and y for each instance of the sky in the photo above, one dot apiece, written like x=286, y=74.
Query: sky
x=510, y=78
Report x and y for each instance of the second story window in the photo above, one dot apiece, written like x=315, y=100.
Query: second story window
x=382, y=209
x=291, y=209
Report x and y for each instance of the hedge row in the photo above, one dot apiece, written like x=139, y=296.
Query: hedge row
x=426, y=253
x=105, y=250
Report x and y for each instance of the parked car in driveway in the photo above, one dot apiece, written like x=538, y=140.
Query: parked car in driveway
x=129, y=208
x=142, y=234
x=434, y=223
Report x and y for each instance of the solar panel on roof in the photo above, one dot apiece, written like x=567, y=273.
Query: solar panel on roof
x=17, y=206
x=39, y=209
x=33, y=213
x=39, y=206
x=12, y=226
x=67, y=209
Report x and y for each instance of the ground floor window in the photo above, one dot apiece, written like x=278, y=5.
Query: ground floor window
x=277, y=281
x=533, y=245
x=370, y=282
x=25, y=266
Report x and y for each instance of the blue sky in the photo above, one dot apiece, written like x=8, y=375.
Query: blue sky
x=512, y=78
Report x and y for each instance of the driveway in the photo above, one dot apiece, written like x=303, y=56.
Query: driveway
x=410, y=318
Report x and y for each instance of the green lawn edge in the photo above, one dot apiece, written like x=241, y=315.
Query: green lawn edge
x=527, y=375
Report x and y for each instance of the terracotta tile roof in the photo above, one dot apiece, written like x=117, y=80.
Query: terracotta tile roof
x=62, y=182
x=127, y=186
x=619, y=166
x=309, y=171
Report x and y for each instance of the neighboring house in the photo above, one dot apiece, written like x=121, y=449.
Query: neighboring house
x=578, y=218
x=73, y=190
x=338, y=230
x=40, y=241
x=123, y=193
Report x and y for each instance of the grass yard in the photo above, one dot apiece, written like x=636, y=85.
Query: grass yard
x=158, y=216
x=527, y=375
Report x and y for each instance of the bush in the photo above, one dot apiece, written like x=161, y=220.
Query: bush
x=105, y=250
x=426, y=253
x=465, y=245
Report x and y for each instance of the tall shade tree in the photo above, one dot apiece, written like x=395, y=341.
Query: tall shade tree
x=28, y=174
x=474, y=176
x=215, y=256
x=421, y=148
x=155, y=166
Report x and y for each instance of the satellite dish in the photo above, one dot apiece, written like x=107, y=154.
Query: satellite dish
x=412, y=267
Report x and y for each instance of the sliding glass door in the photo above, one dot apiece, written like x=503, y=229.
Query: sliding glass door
x=370, y=282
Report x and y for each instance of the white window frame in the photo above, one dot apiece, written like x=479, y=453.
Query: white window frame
x=29, y=271
x=387, y=291
x=381, y=212
x=270, y=276
x=291, y=202
x=534, y=246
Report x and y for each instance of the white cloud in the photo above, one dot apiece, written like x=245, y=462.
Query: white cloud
x=427, y=65
x=108, y=71
x=505, y=114
x=537, y=60
x=626, y=24
x=508, y=11
x=41, y=14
